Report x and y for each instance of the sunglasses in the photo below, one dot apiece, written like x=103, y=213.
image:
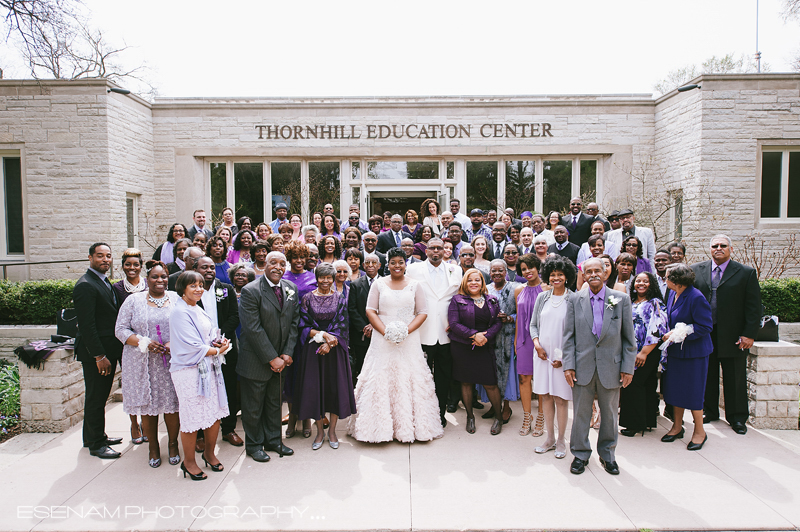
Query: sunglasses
x=719, y=246
x=466, y=254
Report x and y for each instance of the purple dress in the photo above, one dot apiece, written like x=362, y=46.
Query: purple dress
x=524, y=343
x=473, y=364
x=323, y=383
x=642, y=265
x=306, y=282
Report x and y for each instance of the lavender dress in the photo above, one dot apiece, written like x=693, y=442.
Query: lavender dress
x=524, y=344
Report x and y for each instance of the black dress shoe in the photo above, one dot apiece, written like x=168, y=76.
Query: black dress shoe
x=630, y=433
x=477, y=404
x=739, y=427
x=697, y=446
x=282, y=449
x=578, y=466
x=452, y=407
x=105, y=452
x=611, y=467
x=444, y=422
x=259, y=456
x=113, y=441
x=489, y=414
x=709, y=419
x=669, y=438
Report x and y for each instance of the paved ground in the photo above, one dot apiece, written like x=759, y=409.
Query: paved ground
x=476, y=482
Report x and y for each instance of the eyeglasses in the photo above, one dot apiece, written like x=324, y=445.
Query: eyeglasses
x=466, y=254
x=511, y=253
x=341, y=271
x=720, y=246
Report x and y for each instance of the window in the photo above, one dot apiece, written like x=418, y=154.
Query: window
x=588, y=179
x=676, y=214
x=11, y=223
x=780, y=184
x=451, y=170
x=557, y=181
x=323, y=186
x=520, y=185
x=131, y=218
x=248, y=180
x=402, y=170
x=219, y=191
x=285, y=179
x=481, y=185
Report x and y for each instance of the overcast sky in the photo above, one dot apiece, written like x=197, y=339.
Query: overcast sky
x=433, y=47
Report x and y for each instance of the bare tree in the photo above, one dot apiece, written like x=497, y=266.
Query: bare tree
x=768, y=264
x=726, y=64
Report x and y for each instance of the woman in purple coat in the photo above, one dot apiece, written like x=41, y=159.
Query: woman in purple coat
x=474, y=323
x=687, y=358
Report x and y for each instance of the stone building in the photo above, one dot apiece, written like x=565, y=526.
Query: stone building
x=82, y=164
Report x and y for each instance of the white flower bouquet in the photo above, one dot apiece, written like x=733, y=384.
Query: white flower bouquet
x=396, y=332
x=679, y=334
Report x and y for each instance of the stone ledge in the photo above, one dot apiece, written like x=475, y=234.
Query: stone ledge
x=773, y=371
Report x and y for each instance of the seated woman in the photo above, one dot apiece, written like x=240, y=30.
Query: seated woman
x=147, y=386
x=323, y=382
x=330, y=249
x=633, y=245
x=178, y=250
x=424, y=234
x=196, y=369
x=474, y=321
x=687, y=360
x=242, y=244
x=165, y=252
x=649, y=325
x=217, y=250
x=354, y=258
x=412, y=224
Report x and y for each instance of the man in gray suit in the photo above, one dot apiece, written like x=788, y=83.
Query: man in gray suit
x=269, y=313
x=599, y=355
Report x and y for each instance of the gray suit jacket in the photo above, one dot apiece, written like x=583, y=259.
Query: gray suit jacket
x=267, y=330
x=611, y=354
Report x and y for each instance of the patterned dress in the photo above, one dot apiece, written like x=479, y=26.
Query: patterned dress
x=504, y=357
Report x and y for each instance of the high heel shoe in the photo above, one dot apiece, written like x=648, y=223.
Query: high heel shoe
x=527, y=419
x=669, y=438
x=214, y=467
x=199, y=476
x=155, y=462
x=497, y=427
x=141, y=439
x=630, y=433
x=471, y=425
x=174, y=460
x=697, y=446
x=507, y=419
x=538, y=430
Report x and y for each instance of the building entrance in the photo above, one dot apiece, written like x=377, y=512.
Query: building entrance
x=398, y=202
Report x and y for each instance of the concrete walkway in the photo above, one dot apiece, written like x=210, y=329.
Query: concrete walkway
x=462, y=481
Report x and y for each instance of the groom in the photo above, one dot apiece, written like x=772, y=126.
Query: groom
x=599, y=355
x=439, y=282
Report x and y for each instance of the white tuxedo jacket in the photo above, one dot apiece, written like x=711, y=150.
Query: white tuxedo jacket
x=643, y=233
x=433, y=330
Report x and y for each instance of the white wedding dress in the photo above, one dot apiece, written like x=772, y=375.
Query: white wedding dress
x=395, y=394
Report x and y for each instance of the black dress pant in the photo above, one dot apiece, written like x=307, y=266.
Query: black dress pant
x=231, y=378
x=98, y=388
x=734, y=385
x=636, y=401
x=441, y=363
x=357, y=354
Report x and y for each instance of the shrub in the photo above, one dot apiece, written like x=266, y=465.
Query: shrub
x=34, y=302
x=781, y=297
x=9, y=396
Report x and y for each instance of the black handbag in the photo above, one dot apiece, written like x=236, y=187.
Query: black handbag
x=769, y=329
x=67, y=323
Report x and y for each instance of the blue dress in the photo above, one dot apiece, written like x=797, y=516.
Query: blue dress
x=687, y=363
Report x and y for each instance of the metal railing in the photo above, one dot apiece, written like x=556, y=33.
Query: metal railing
x=7, y=264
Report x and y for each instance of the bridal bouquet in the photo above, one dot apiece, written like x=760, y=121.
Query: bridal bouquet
x=679, y=334
x=396, y=332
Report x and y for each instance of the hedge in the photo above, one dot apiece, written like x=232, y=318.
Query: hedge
x=38, y=302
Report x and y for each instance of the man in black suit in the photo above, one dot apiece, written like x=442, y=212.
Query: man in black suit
x=578, y=223
x=360, y=328
x=735, y=296
x=199, y=218
x=97, y=348
x=270, y=314
x=392, y=238
x=593, y=210
x=219, y=300
x=190, y=257
x=498, y=242
x=563, y=246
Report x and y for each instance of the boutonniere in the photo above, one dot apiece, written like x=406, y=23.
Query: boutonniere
x=289, y=294
x=612, y=302
x=221, y=293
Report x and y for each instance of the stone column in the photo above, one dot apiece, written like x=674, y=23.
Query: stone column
x=773, y=375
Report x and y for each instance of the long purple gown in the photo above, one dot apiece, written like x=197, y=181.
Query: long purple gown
x=323, y=383
x=523, y=341
x=306, y=282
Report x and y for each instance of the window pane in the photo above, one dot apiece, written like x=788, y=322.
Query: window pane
x=285, y=179
x=451, y=170
x=794, y=185
x=771, y=163
x=323, y=186
x=588, y=181
x=219, y=192
x=129, y=218
x=402, y=170
x=356, y=170
x=557, y=184
x=248, y=180
x=481, y=185
x=356, y=196
x=520, y=185
x=12, y=171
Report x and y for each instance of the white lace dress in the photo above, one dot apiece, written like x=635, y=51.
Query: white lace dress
x=395, y=394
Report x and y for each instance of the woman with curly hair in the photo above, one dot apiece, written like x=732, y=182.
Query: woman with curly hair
x=242, y=243
x=217, y=249
x=412, y=224
x=330, y=249
x=330, y=226
x=424, y=234
x=165, y=252
x=276, y=243
x=430, y=210
x=263, y=231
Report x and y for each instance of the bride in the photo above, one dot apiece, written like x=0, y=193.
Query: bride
x=395, y=394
